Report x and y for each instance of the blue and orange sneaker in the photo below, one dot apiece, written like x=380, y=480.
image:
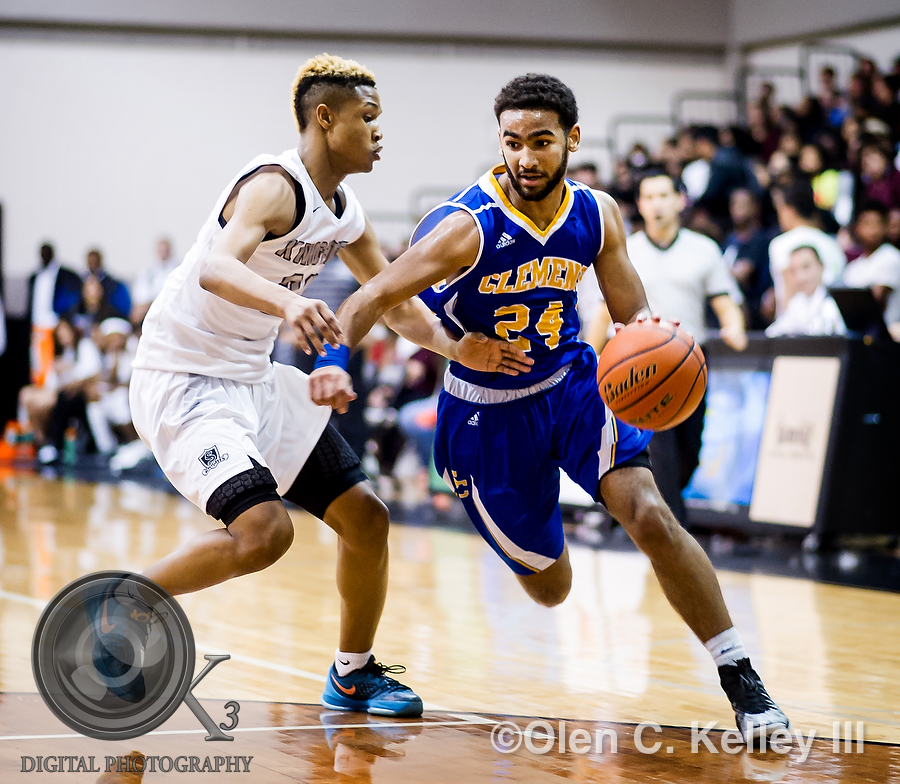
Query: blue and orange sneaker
x=370, y=690
x=120, y=626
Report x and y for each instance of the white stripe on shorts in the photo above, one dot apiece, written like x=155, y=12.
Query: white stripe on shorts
x=609, y=434
x=534, y=561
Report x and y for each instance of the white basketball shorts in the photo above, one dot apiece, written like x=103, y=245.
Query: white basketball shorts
x=204, y=430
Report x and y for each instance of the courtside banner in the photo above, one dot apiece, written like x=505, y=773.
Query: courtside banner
x=795, y=440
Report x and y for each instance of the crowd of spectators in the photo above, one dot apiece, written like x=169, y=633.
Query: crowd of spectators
x=798, y=198
x=84, y=333
x=85, y=329
x=822, y=174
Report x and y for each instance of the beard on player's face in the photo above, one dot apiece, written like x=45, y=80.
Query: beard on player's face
x=530, y=194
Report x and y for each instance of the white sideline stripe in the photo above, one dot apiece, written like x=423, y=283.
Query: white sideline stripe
x=17, y=597
x=238, y=657
x=366, y=725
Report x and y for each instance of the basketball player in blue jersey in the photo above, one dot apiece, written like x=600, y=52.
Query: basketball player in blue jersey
x=504, y=257
x=234, y=432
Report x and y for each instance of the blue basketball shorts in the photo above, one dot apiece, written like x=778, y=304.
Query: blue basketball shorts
x=502, y=456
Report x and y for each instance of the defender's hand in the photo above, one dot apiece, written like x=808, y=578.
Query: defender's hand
x=480, y=352
x=313, y=324
x=331, y=386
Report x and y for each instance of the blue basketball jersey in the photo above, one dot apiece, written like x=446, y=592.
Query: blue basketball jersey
x=521, y=287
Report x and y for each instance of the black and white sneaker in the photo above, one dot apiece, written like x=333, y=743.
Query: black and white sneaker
x=755, y=713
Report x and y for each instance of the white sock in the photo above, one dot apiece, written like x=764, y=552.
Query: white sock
x=345, y=663
x=726, y=648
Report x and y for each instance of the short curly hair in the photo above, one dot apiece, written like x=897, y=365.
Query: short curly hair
x=321, y=78
x=539, y=91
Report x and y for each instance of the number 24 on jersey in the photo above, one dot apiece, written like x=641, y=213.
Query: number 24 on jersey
x=548, y=325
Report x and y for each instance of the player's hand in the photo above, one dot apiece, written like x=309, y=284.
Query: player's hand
x=313, y=324
x=618, y=326
x=331, y=386
x=735, y=337
x=479, y=352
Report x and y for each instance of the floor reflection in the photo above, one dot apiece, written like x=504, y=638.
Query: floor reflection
x=457, y=618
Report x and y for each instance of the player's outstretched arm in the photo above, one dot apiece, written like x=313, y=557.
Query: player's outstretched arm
x=412, y=319
x=449, y=248
x=265, y=203
x=621, y=286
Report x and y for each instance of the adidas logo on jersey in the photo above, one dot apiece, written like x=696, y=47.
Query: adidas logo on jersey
x=505, y=240
x=473, y=420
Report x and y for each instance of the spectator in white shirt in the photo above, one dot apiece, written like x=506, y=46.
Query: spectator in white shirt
x=878, y=267
x=810, y=311
x=151, y=281
x=108, y=408
x=49, y=409
x=797, y=217
x=109, y=412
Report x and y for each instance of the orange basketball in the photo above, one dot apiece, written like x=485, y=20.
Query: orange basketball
x=652, y=375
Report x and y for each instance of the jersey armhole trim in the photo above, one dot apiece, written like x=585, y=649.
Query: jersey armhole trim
x=438, y=287
x=299, y=200
x=599, y=204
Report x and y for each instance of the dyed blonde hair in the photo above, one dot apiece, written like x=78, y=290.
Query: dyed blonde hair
x=322, y=79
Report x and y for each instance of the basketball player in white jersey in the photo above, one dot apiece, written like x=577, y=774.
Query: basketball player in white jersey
x=236, y=433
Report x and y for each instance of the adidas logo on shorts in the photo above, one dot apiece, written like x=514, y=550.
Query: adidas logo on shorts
x=473, y=420
x=505, y=240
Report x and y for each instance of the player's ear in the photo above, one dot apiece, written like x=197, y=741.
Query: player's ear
x=573, y=139
x=324, y=116
x=500, y=143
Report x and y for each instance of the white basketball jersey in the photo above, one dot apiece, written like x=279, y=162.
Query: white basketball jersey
x=190, y=330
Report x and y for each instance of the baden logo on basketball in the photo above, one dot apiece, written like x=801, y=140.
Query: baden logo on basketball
x=652, y=375
x=635, y=378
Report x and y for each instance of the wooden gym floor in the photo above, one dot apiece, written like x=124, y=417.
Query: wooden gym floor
x=478, y=651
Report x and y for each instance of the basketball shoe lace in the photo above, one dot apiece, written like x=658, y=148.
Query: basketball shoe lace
x=745, y=689
x=380, y=682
